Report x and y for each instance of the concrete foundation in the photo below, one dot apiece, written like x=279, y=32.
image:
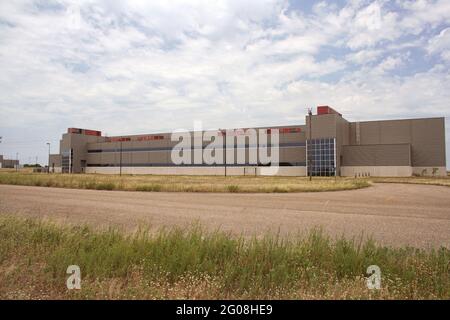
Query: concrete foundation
x=430, y=171
x=377, y=171
x=56, y=170
x=204, y=171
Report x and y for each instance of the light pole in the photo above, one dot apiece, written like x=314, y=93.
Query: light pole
x=225, y=144
x=48, y=167
x=310, y=142
x=120, y=158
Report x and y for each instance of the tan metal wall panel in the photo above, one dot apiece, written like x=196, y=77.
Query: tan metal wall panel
x=395, y=131
x=370, y=132
x=358, y=156
x=141, y=157
x=127, y=157
x=428, y=142
x=377, y=155
x=94, y=158
x=292, y=137
x=323, y=126
x=55, y=159
x=159, y=157
x=342, y=138
x=94, y=146
x=109, y=158
x=394, y=155
x=342, y=131
x=293, y=155
x=426, y=136
x=352, y=133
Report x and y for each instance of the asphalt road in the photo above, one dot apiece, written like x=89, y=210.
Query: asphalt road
x=394, y=214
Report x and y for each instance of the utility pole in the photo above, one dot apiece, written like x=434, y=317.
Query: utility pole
x=120, y=165
x=48, y=167
x=17, y=161
x=310, y=142
x=225, y=144
x=70, y=160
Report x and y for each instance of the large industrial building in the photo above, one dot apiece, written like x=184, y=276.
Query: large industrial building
x=8, y=163
x=326, y=145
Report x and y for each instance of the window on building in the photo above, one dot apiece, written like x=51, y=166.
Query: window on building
x=321, y=155
x=67, y=161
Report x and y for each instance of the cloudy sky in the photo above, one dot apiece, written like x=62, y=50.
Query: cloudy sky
x=141, y=66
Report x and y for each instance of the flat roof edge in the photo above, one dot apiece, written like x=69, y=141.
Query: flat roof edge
x=401, y=119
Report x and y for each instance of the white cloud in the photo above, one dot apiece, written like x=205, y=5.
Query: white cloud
x=364, y=56
x=440, y=44
x=423, y=14
x=140, y=66
x=388, y=64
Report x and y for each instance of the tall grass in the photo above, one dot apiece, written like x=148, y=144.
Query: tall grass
x=157, y=183
x=177, y=263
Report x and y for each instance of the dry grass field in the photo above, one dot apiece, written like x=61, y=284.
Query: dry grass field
x=182, y=183
x=195, y=264
x=176, y=183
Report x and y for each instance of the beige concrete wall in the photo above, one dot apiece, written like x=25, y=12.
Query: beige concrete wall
x=55, y=159
x=231, y=171
x=377, y=171
x=428, y=171
x=57, y=170
x=9, y=163
x=159, y=170
x=79, y=143
x=282, y=171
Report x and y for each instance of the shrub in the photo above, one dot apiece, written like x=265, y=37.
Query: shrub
x=233, y=188
x=105, y=186
x=149, y=187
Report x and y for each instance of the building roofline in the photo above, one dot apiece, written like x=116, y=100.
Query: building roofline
x=402, y=119
x=377, y=144
x=208, y=130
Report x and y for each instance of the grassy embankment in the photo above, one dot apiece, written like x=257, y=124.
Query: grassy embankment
x=182, y=183
x=173, y=263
